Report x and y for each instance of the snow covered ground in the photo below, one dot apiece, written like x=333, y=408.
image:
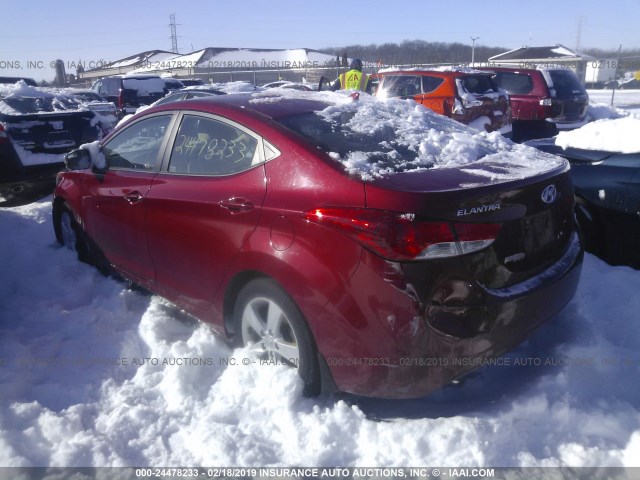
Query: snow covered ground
x=95, y=374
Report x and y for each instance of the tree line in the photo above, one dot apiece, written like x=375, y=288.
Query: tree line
x=418, y=52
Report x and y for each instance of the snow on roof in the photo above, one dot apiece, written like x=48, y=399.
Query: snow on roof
x=149, y=56
x=617, y=135
x=555, y=52
x=240, y=58
x=48, y=100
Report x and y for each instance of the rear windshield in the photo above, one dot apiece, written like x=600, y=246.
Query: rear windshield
x=144, y=86
x=514, y=83
x=566, y=84
x=383, y=148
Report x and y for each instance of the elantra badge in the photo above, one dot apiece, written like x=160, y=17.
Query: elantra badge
x=549, y=194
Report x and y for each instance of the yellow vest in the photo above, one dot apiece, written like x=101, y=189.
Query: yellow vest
x=353, y=80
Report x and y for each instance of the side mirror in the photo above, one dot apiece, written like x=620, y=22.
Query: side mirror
x=79, y=159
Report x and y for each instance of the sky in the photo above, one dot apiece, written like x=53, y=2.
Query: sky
x=33, y=36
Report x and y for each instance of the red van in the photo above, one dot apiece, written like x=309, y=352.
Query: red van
x=543, y=101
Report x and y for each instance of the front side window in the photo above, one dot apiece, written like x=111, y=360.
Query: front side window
x=137, y=147
x=204, y=146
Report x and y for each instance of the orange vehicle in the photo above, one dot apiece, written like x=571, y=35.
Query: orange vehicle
x=468, y=96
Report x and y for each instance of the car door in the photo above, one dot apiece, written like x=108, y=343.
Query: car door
x=430, y=98
x=203, y=207
x=116, y=198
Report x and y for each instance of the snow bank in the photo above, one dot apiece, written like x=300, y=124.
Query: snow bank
x=94, y=374
x=617, y=135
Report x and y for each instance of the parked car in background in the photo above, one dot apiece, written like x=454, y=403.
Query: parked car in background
x=93, y=101
x=188, y=93
x=106, y=112
x=324, y=238
x=543, y=101
x=472, y=98
x=607, y=189
x=129, y=92
x=290, y=85
x=12, y=80
x=173, y=84
x=192, y=82
x=36, y=128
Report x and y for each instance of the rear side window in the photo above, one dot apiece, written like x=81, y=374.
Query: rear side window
x=204, y=146
x=478, y=84
x=429, y=84
x=514, y=83
x=402, y=86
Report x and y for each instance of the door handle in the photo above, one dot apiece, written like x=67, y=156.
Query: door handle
x=237, y=205
x=133, y=197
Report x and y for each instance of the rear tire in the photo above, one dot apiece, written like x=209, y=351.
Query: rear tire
x=268, y=321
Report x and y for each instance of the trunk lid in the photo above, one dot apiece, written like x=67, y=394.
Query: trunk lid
x=536, y=215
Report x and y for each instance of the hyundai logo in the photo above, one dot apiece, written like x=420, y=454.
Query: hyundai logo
x=549, y=194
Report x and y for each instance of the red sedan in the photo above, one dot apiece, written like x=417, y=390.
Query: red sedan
x=326, y=236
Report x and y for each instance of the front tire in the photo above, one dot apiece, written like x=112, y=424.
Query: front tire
x=270, y=323
x=70, y=235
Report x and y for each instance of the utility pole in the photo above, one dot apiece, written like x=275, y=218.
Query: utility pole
x=473, y=49
x=174, y=35
x=615, y=75
x=579, y=34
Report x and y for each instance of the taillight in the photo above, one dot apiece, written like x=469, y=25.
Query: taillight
x=121, y=98
x=401, y=237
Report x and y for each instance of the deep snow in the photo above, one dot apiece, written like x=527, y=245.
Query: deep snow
x=84, y=384
x=67, y=399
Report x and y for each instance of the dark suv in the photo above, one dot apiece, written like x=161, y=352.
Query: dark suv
x=543, y=101
x=129, y=92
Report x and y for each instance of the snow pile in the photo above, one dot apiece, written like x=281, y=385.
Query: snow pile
x=617, y=135
x=94, y=374
x=20, y=98
x=600, y=111
x=235, y=87
x=29, y=159
x=432, y=140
